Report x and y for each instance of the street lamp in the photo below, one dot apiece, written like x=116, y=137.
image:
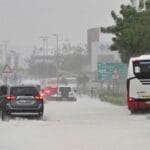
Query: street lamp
x=57, y=65
x=45, y=44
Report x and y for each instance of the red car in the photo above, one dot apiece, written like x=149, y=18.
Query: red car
x=49, y=90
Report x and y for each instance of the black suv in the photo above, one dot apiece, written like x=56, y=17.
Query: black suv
x=21, y=101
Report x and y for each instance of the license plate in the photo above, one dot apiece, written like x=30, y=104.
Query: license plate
x=25, y=102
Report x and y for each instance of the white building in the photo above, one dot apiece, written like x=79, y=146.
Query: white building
x=102, y=53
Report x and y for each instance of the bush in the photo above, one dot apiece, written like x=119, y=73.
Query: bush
x=118, y=100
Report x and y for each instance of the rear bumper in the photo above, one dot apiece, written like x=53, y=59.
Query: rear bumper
x=71, y=98
x=135, y=105
x=24, y=111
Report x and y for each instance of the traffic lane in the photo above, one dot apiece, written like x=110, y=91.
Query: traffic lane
x=104, y=125
x=86, y=109
x=68, y=137
x=85, y=124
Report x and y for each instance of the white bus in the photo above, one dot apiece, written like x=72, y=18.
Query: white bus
x=138, y=83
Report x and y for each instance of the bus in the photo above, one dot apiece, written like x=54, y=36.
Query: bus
x=138, y=83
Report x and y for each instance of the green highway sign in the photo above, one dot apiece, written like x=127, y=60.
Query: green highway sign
x=112, y=71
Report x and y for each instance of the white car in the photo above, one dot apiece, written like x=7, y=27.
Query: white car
x=67, y=92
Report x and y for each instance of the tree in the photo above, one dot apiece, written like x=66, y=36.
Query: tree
x=83, y=78
x=74, y=58
x=131, y=30
x=147, y=3
x=40, y=69
x=71, y=58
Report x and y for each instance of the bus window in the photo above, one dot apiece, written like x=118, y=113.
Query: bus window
x=142, y=69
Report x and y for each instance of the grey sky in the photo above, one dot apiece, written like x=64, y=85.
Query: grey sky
x=22, y=22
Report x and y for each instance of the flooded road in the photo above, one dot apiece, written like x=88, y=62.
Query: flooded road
x=87, y=124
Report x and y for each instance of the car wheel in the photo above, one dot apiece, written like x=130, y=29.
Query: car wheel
x=133, y=112
x=4, y=115
x=40, y=116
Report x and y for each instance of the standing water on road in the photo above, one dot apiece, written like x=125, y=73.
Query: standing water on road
x=82, y=125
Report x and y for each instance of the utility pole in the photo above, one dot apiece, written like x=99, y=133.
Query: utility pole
x=5, y=46
x=57, y=60
x=45, y=44
x=45, y=53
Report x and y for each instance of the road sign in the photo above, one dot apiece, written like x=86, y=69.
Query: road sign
x=112, y=71
x=7, y=71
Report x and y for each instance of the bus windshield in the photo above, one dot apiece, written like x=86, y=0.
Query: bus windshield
x=142, y=69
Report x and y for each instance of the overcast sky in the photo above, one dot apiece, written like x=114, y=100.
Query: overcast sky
x=22, y=22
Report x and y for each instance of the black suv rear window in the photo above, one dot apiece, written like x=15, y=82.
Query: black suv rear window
x=23, y=91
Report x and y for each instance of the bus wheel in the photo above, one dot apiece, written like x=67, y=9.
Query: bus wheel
x=133, y=111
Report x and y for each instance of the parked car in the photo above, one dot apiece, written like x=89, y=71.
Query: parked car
x=21, y=101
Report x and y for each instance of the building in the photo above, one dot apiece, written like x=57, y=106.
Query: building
x=41, y=55
x=92, y=36
x=102, y=53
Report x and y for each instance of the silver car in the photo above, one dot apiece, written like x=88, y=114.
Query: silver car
x=21, y=101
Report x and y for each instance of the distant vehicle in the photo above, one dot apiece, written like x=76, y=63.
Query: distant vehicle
x=67, y=92
x=48, y=91
x=138, y=83
x=21, y=101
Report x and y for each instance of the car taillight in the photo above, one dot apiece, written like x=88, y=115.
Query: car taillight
x=42, y=94
x=39, y=98
x=47, y=91
x=9, y=98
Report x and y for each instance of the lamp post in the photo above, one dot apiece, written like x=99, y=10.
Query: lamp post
x=57, y=64
x=45, y=53
x=45, y=44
